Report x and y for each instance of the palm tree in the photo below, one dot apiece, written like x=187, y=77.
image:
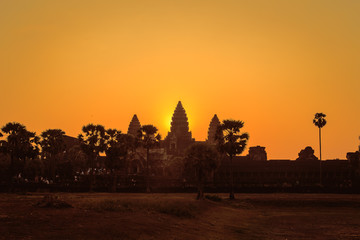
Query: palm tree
x=231, y=142
x=92, y=142
x=20, y=144
x=320, y=121
x=201, y=159
x=52, y=145
x=149, y=138
x=117, y=149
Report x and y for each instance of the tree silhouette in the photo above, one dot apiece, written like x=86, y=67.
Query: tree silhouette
x=92, y=142
x=118, y=146
x=202, y=159
x=20, y=144
x=52, y=144
x=149, y=138
x=231, y=142
x=320, y=121
x=77, y=158
x=2, y=144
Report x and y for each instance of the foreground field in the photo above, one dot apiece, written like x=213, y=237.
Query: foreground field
x=179, y=216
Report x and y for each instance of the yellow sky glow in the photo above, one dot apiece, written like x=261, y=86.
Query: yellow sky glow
x=272, y=64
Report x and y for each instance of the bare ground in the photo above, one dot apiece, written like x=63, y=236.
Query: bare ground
x=251, y=216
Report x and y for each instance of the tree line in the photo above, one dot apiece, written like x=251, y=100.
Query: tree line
x=24, y=147
x=27, y=151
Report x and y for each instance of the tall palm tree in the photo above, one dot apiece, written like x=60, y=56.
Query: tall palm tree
x=117, y=148
x=52, y=145
x=20, y=144
x=92, y=142
x=149, y=138
x=231, y=142
x=320, y=121
x=201, y=159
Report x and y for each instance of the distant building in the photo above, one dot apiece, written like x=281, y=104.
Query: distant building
x=257, y=154
x=70, y=142
x=307, y=154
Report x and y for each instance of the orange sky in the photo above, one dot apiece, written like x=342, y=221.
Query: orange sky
x=272, y=64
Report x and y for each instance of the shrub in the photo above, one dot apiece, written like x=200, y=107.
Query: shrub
x=52, y=201
x=214, y=198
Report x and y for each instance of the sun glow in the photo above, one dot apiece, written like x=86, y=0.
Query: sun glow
x=167, y=122
x=63, y=66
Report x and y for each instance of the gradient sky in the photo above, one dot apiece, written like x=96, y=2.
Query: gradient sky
x=271, y=64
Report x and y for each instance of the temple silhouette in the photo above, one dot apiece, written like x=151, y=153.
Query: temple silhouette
x=252, y=170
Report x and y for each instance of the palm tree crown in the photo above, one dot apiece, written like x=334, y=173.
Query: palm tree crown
x=229, y=138
x=148, y=136
x=319, y=120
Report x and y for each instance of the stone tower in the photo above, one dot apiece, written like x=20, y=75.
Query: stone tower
x=212, y=129
x=134, y=126
x=179, y=137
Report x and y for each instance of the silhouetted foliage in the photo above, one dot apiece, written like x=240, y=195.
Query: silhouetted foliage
x=77, y=158
x=118, y=147
x=33, y=168
x=174, y=166
x=148, y=138
x=52, y=144
x=20, y=144
x=319, y=120
x=307, y=154
x=231, y=142
x=115, y=149
x=93, y=141
x=201, y=159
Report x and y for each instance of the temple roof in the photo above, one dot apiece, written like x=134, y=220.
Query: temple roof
x=134, y=126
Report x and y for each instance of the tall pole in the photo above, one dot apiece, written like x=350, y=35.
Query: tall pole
x=320, y=156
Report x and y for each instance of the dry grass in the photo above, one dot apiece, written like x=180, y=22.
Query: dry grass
x=180, y=216
x=214, y=198
x=175, y=207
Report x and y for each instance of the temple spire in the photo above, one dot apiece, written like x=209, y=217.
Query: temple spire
x=212, y=129
x=134, y=126
x=179, y=137
x=179, y=123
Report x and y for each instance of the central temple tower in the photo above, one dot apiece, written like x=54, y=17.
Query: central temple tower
x=179, y=137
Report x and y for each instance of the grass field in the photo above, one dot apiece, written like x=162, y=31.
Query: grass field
x=180, y=216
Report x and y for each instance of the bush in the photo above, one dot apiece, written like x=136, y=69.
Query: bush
x=214, y=198
x=52, y=201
